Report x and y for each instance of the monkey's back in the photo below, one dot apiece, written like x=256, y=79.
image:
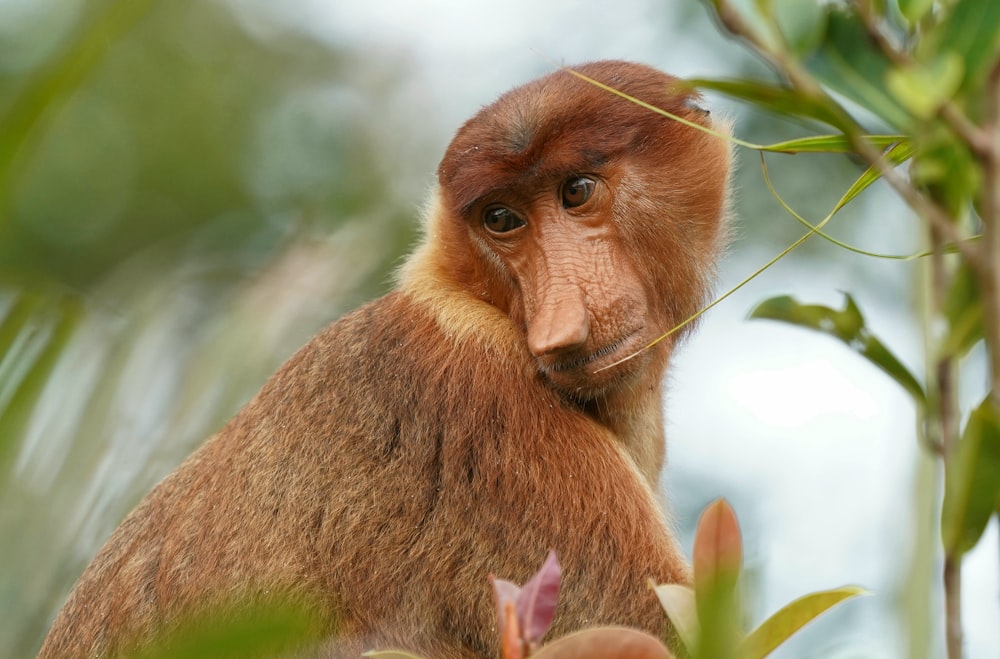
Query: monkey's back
x=373, y=478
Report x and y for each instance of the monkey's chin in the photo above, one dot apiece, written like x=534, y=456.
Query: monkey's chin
x=587, y=376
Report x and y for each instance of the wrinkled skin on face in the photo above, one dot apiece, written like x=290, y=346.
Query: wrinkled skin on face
x=583, y=303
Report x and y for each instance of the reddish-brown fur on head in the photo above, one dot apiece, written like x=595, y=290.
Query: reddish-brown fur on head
x=469, y=421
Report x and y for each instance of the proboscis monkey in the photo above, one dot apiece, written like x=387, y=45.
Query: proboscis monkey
x=469, y=421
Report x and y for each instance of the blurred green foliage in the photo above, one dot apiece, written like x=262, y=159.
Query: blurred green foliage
x=182, y=184
x=183, y=133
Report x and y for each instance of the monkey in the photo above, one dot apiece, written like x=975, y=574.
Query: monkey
x=500, y=401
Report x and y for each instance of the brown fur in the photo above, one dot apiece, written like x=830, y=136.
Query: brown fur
x=458, y=426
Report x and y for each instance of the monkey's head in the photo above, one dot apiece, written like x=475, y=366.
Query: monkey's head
x=592, y=222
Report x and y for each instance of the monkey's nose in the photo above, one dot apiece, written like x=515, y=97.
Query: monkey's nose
x=559, y=326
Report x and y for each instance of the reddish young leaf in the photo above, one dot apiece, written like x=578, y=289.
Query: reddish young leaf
x=536, y=605
x=718, y=547
x=605, y=643
x=511, y=644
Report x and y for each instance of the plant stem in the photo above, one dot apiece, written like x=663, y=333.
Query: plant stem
x=953, y=605
x=944, y=407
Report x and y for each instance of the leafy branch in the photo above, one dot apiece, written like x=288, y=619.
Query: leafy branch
x=931, y=72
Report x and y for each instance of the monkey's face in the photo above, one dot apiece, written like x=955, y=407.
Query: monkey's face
x=592, y=222
x=572, y=288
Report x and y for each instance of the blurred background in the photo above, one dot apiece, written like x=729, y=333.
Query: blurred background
x=190, y=189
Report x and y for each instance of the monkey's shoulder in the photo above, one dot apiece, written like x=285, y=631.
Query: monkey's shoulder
x=392, y=359
x=391, y=345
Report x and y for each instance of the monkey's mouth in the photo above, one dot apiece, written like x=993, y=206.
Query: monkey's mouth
x=580, y=361
x=583, y=368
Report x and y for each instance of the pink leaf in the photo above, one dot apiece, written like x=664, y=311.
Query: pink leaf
x=536, y=605
x=503, y=592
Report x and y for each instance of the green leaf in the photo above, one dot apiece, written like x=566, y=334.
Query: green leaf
x=776, y=99
x=755, y=22
x=972, y=481
x=832, y=144
x=792, y=617
x=718, y=548
x=15, y=317
x=971, y=30
x=915, y=10
x=679, y=603
x=848, y=325
x=924, y=88
x=801, y=23
x=33, y=337
x=849, y=63
x=946, y=163
x=896, y=155
x=262, y=630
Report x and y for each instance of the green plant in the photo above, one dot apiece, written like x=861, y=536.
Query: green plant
x=929, y=73
x=708, y=615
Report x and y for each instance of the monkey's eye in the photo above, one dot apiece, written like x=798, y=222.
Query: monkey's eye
x=500, y=219
x=576, y=191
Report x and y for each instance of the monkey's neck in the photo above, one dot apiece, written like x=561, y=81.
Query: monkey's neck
x=633, y=413
x=635, y=416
